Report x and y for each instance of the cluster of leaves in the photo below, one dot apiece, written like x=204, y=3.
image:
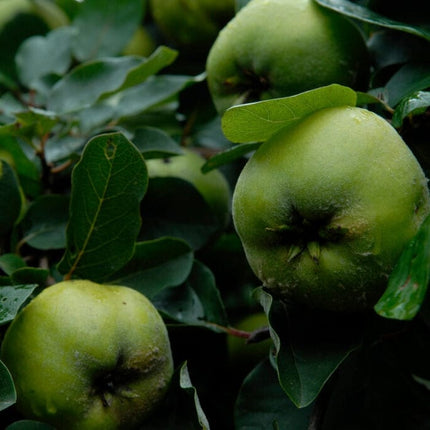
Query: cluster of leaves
x=78, y=119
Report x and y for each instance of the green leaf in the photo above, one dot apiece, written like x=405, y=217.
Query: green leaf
x=256, y=122
x=156, y=90
x=181, y=408
x=10, y=198
x=228, y=156
x=11, y=262
x=361, y=13
x=173, y=207
x=155, y=143
x=90, y=81
x=108, y=184
x=30, y=275
x=104, y=28
x=7, y=388
x=30, y=124
x=262, y=403
x=163, y=56
x=310, y=345
x=42, y=55
x=410, y=78
x=29, y=425
x=27, y=171
x=415, y=104
x=156, y=264
x=196, y=302
x=186, y=384
x=11, y=299
x=407, y=285
x=44, y=224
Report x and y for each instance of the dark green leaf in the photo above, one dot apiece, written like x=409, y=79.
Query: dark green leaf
x=29, y=425
x=155, y=91
x=30, y=123
x=163, y=56
x=7, y=389
x=10, y=198
x=407, y=285
x=415, y=104
x=108, y=184
x=262, y=403
x=181, y=408
x=155, y=143
x=196, y=302
x=410, y=78
x=42, y=55
x=376, y=388
x=27, y=171
x=90, y=81
x=229, y=155
x=30, y=275
x=186, y=384
x=104, y=28
x=44, y=224
x=11, y=262
x=357, y=11
x=155, y=265
x=11, y=299
x=310, y=345
x=86, y=83
x=173, y=207
x=15, y=28
x=256, y=122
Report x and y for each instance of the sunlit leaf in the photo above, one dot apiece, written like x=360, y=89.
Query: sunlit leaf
x=255, y=122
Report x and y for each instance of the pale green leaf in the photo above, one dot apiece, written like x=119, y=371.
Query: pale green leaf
x=256, y=122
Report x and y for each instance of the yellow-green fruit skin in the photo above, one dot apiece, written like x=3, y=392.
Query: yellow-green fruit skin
x=71, y=336
x=212, y=186
x=277, y=48
x=325, y=208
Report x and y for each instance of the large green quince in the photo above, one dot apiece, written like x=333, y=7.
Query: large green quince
x=325, y=208
x=277, y=48
x=88, y=356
